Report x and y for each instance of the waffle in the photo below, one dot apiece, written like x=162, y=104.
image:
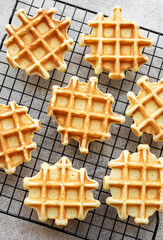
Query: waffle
x=39, y=43
x=61, y=192
x=82, y=112
x=16, y=134
x=116, y=44
x=136, y=185
x=147, y=109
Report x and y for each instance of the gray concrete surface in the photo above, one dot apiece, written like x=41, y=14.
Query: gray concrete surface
x=146, y=13
x=13, y=228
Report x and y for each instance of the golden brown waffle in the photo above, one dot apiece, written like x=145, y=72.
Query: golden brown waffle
x=136, y=185
x=16, y=133
x=83, y=112
x=61, y=192
x=116, y=44
x=39, y=43
x=147, y=109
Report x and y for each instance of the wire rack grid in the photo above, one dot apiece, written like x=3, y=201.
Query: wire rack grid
x=35, y=93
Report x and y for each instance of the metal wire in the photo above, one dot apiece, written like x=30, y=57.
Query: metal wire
x=35, y=93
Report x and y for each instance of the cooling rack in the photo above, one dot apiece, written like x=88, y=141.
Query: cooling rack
x=35, y=93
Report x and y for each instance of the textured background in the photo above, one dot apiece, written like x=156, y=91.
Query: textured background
x=147, y=14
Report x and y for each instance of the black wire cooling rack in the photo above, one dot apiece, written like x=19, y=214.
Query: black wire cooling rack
x=35, y=93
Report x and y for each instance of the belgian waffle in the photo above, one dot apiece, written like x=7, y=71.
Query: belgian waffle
x=16, y=134
x=39, y=43
x=116, y=44
x=82, y=112
x=136, y=184
x=61, y=192
x=147, y=109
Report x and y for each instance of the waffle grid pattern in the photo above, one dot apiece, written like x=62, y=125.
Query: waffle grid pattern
x=116, y=44
x=83, y=112
x=43, y=47
x=35, y=93
x=147, y=109
x=16, y=133
x=137, y=189
x=72, y=188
